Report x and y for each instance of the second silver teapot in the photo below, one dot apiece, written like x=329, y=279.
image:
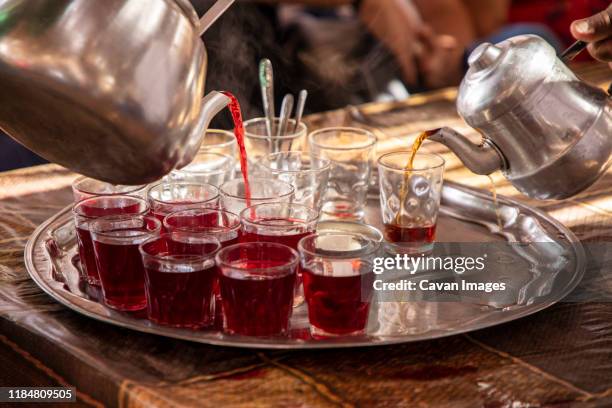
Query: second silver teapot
x=549, y=132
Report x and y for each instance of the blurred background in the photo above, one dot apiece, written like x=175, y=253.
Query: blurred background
x=345, y=52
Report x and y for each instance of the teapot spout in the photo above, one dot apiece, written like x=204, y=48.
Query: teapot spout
x=481, y=159
x=212, y=104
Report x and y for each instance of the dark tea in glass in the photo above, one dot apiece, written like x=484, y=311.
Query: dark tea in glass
x=90, y=209
x=257, y=283
x=116, y=240
x=180, y=277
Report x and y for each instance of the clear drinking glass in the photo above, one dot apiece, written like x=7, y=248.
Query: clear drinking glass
x=308, y=174
x=351, y=152
x=283, y=223
x=337, y=270
x=233, y=193
x=88, y=210
x=207, y=167
x=180, y=279
x=168, y=197
x=410, y=200
x=221, y=142
x=223, y=225
x=259, y=143
x=116, y=240
x=257, y=283
x=86, y=187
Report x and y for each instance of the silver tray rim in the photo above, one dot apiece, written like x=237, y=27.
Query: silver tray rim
x=347, y=342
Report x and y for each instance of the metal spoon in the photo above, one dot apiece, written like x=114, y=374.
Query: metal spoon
x=285, y=114
x=266, y=81
x=299, y=111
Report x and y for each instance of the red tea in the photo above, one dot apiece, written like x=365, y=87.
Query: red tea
x=222, y=225
x=399, y=234
x=84, y=242
x=121, y=274
x=257, y=305
x=336, y=304
x=234, y=108
x=291, y=240
x=181, y=299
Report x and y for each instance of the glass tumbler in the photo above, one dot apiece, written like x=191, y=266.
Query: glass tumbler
x=208, y=168
x=410, y=200
x=257, y=283
x=168, y=197
x=308, y=174
x=86, y=187
x=180, y=278
x=338, y=282
x=221, y=142
x=260, y=144
x=116, y=240
x=88, y=210
x=234, y=197
x=351, y=152
x=222, y=224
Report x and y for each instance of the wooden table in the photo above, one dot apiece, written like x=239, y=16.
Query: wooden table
x=559, y=357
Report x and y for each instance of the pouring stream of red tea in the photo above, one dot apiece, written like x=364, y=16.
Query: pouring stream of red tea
x=234, y=107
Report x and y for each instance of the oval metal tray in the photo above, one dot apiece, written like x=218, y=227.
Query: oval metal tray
x=467, y=215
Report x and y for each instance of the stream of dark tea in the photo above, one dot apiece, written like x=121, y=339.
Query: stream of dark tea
x=396, y=232
x=234, y=108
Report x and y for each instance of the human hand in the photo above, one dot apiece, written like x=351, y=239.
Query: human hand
x=597, y=31
x=440, y=62
x=397, y=24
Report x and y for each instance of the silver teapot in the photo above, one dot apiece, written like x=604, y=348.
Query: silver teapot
x=109, y=88
x=549, y=132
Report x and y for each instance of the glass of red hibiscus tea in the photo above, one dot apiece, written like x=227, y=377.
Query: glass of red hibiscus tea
x=257, y=282
x=116, y=240
x=338, y=276
x=283, y=223
x=222, y=224
x=180, y=277
x=88, y=210
x=165, y=198
x=410, y=191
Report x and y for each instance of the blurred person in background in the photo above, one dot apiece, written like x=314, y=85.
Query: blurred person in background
x=557, y=15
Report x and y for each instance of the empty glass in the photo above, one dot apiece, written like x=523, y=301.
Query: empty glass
x=410, y=200
x=308, y=174
x=233, y=193
x=259, y=143
x=351, y=152
x=86, y=187
x=219, y=141
x=207, y=167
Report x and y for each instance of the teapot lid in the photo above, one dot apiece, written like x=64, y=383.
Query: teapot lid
x=501, y=76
